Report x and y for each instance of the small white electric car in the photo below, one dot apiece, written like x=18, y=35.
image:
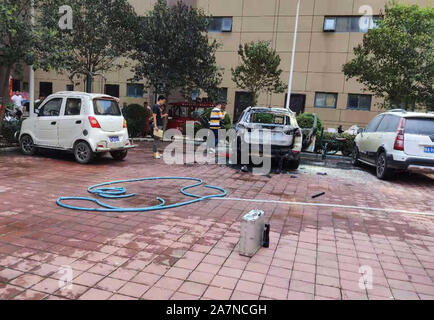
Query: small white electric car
x=86, y=124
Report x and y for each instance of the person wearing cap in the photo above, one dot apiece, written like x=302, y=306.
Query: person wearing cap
x=216, y=118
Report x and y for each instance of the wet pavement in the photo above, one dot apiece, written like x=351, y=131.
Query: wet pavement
x=191, y=252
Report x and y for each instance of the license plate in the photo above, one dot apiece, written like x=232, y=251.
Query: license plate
x=429, y=150
x=114, y=139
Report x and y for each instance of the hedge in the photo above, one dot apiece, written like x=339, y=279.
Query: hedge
x=305, y=121
x=135, y=115
x=346, y=147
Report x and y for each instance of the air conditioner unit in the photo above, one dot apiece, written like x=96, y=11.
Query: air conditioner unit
x=227, y=25
x=329, y=24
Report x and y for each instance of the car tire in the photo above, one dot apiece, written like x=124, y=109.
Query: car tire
x=293, y=164
x=83, y=153
x=27, y=146
x=382, y=170
x=119, y=155
x=355, y=156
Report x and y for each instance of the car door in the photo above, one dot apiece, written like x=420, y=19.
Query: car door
x=71, y=123
x=368, y=139
x=47, y=123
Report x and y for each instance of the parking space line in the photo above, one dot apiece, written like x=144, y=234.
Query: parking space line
x=330, y=205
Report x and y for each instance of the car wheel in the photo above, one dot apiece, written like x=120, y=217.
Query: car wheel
x=27, y=145
x=83, y=153
x=383, y=172
x=119, y=155
x=355, y=156
x=293, y=164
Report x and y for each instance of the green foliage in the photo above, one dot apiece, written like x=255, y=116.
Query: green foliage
x=174, y=52
x=396, y=60
x=135, y=115
x=102, y=33
x=266, y=118
x=204, y=120
x=306, y=120
x=21, y=44
x=345, y=147
x=259, y=70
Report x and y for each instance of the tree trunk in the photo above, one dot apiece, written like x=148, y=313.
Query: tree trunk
x=4, y=92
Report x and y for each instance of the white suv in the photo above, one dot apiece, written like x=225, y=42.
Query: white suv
x=397, y=140
x=86, y=124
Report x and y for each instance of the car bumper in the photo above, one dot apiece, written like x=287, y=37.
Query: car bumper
x=103, y=146
x=277, y=152
x=413, y=164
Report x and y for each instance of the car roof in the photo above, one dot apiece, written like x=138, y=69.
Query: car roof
x=266, y=109
x=408, y=114
x=78, y=93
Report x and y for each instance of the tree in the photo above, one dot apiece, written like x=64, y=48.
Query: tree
x=101, y=34
x=396, y=59
x=259, y=70
x=174, y=52
x=21, y=44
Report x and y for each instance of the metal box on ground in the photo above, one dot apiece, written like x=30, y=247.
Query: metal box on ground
x=252, y=232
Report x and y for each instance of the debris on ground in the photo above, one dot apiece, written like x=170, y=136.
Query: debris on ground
x=244, y=169
x=321, y=173
x=318, y=195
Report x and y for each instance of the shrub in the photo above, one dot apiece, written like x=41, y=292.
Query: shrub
x=135, y=115
x=305, y=121
x=346, y=147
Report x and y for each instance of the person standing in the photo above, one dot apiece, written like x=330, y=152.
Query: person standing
x=158, y=117
x=215, y=120
x=17, y=99
x=148, y=119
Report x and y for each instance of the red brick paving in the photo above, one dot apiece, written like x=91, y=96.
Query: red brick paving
x=191, y=252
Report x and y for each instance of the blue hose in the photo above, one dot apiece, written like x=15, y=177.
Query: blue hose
x=121, y=193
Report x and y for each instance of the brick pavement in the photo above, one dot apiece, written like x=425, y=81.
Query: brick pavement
x=190, y=252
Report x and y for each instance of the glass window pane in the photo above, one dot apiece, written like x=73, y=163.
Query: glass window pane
x=320, y=100
x=73, y=107
x=331, y=101
x=365, y=102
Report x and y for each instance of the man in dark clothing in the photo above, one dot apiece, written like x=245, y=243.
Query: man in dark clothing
x=158, y=123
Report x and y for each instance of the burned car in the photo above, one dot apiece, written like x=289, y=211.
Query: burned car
x=285, y=136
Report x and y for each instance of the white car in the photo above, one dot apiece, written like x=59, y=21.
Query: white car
x=86, y=124
x=397, y=140
x=285, y=135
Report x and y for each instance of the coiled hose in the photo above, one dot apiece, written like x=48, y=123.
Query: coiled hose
x=103, y=191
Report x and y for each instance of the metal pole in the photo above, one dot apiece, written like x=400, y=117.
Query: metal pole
x=294, y=44
x=32, y=72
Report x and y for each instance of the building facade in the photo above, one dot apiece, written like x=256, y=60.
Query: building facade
x=328, y=32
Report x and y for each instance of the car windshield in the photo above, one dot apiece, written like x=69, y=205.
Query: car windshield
x=105, y=107
x=269, y=118
x=420, y=126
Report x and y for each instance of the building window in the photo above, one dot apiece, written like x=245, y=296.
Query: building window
x=326, y=100
x=350, y=23
x=359, y=102
x=112, y=90
x=45, y=89
x=220, y=24
x=69, y=87
x=135, y=90
x=223, y=95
